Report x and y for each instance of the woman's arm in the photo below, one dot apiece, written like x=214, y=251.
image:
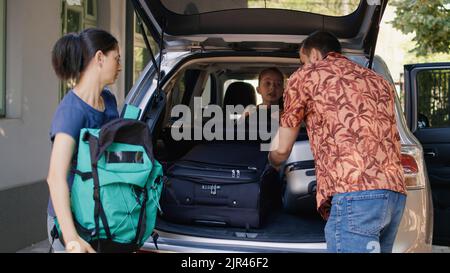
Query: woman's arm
x=60, y=163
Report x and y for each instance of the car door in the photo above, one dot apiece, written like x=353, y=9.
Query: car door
x=428, y=114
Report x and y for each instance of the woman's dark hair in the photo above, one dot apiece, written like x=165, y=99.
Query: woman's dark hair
x=323, y=41
x=73, y=52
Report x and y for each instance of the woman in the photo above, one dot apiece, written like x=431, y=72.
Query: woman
x=92, y=59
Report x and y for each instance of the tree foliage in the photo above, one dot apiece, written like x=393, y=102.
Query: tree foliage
x=327, y=7
x=429, y=20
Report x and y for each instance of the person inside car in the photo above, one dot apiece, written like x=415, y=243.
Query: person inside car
x=271, y=88
x=350, y=118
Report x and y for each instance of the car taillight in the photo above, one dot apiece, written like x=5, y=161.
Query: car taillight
x=412, y=162
x=409, y=164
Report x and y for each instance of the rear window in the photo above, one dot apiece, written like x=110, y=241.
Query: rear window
x=253, y=82
x=325, y=7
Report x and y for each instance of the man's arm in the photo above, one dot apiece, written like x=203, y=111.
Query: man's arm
x=281, y=146
x=295, y=104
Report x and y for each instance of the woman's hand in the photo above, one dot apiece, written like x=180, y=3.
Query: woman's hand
x=78, y=245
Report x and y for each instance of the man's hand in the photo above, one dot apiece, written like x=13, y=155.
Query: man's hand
x=272, y=165
x=281, y=146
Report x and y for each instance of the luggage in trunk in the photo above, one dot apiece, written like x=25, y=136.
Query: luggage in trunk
x=221, y=184
x=300, y=193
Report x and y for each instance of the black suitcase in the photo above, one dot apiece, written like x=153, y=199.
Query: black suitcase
x=220, y=184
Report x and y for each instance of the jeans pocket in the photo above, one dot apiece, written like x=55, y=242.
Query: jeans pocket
x=367, y=213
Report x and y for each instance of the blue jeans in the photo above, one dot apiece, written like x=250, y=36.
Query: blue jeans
x=364, y=221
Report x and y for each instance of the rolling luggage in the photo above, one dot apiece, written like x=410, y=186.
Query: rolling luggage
x=220, y=184
x=300, y=192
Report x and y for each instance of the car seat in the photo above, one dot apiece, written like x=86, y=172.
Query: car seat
x=240, y=93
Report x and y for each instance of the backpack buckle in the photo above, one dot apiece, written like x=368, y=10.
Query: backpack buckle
x=85, y=137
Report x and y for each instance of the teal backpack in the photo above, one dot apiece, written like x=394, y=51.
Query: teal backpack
x=117, y=185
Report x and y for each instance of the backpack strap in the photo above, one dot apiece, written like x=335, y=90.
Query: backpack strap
x=84, y=176
x=142, y=218
x=143, y=214
x=131, y=112
x=98, y=209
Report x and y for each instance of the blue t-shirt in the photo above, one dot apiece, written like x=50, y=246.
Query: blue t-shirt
x=74, y=114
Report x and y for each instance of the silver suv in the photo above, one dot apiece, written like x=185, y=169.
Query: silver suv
x=202, y=52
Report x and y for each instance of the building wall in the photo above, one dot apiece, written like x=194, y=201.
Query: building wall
x=391, y=43
x=112, y=18
x=32, y=92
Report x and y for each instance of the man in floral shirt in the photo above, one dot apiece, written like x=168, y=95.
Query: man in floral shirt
x=350, y=118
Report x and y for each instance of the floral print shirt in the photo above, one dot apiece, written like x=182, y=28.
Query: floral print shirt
x=350, y=118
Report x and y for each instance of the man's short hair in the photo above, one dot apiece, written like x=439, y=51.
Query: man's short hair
x=323, y=41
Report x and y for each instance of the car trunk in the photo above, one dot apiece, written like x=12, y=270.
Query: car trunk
x=300, y=225
x=303, y=225
x=281, y=227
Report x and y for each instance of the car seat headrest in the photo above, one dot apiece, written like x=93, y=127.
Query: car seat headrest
x=240, y=93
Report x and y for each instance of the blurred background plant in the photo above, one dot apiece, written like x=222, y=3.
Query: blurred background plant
x=428, y=20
